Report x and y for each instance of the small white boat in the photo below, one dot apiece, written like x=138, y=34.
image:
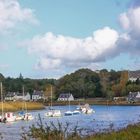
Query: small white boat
x=10, y=117
x=20, y=116
x=53, y=113
x=28, y=116
x=86, y=109
x=68, y=113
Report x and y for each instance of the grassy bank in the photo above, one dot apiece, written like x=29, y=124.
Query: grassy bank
x=93, y=102
x=132, y=132
x=16, y=106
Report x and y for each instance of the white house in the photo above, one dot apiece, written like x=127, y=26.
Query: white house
x=65, y=97
x=134, y=97
x=10, y=96
x=19, y=96
x=14, y=96
x=37, y=95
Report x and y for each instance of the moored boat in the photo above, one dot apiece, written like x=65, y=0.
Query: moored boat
x=28, y=116
x=76, y=112
x=86, y=109
x=53, y=113
x=68, y=113
x=10, y=117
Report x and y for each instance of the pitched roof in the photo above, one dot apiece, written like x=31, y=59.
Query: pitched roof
x=134, y=74
x=10, y=94
x=40, y=93
x=65, y=95
x=134, y=95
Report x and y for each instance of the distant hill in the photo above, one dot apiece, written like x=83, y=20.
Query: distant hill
x=83, y=83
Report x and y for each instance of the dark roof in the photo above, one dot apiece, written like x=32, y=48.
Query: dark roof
x=10, y=94
x=21, y=94
x=65, y=95
x=134, y=74
x=133, y=94
x=38, y=93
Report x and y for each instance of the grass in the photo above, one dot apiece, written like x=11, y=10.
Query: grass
x=132, y=132
x=59, y=132
x=95, y=102
x=17, y=105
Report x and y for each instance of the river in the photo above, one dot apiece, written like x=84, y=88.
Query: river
x=118, y=116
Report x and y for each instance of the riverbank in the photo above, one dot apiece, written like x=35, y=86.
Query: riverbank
x=94, y=102
x=17, y=106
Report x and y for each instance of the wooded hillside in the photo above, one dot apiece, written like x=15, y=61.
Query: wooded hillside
x=83, y=83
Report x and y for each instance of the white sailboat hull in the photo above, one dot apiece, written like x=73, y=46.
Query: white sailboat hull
x=10, y=117
x=28, y=116
x=53, y=113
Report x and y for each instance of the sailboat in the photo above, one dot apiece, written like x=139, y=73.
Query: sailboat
x=69, y=112
x=24, y=115
x=53, y=112
x=8, y=116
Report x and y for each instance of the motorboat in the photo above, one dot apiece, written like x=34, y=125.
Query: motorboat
x=86, y=109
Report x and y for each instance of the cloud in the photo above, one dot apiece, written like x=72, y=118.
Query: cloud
x=58, y=51
x=11, y=13
x=46, y=63
x=130, y=20
x=130, y=23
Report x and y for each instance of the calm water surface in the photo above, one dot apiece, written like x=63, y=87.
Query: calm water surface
x=119, y=116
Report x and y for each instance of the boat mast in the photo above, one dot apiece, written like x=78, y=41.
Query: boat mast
x=69, y=101
x=1, y=99
x=24, y=100
x=51, y=96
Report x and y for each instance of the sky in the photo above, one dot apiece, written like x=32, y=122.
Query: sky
x=51, y=38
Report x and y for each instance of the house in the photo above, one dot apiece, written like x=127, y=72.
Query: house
x=134, y=75
x=14, y=96
x=133, y=97
x=20, y=96
x=65, y=97
x=37, y=95
x=10, y=96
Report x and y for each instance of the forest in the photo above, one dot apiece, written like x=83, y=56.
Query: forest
x=83, y=83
